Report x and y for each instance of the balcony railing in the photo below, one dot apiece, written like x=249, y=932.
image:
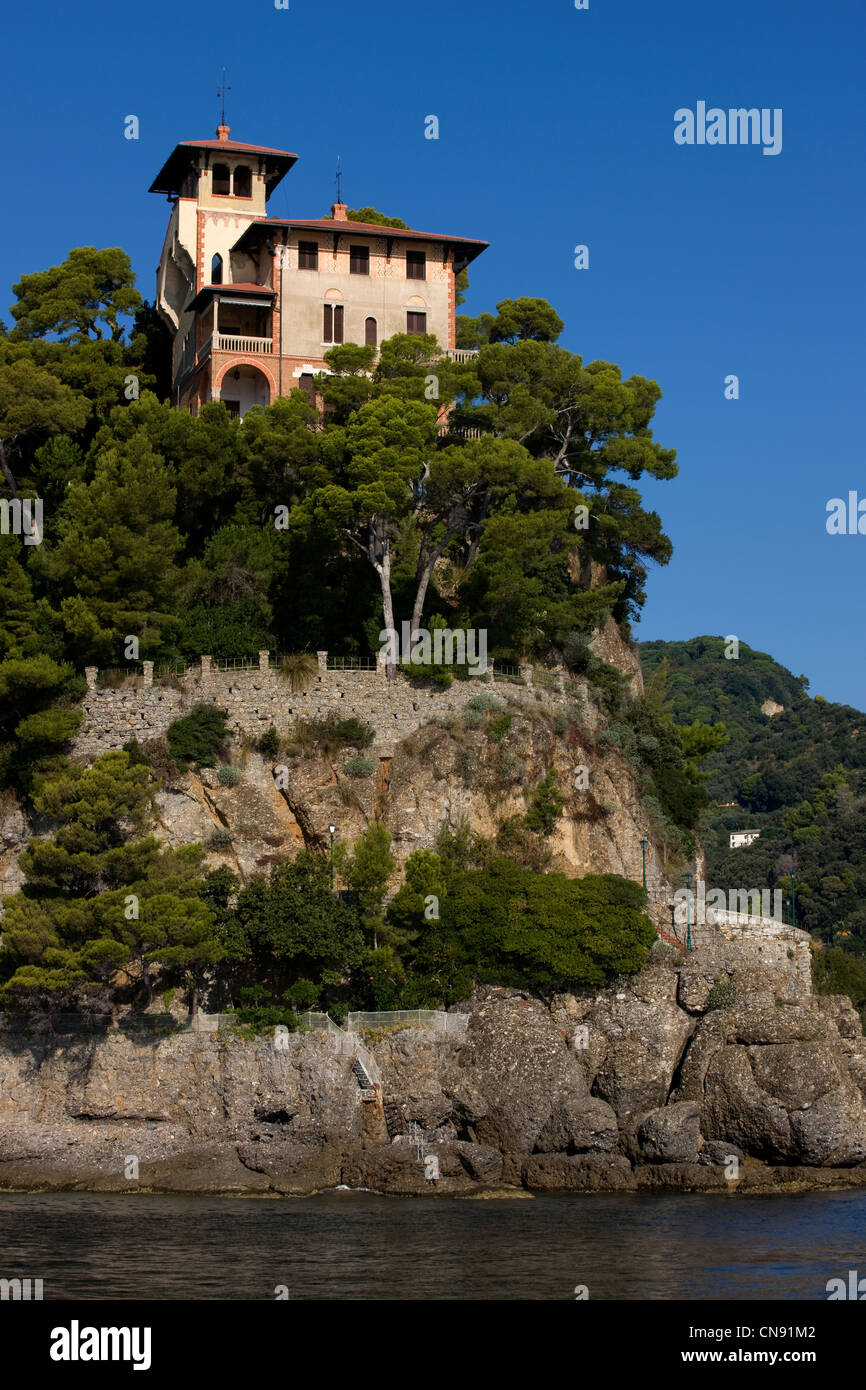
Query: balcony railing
x=461, y=354
x=239, y=342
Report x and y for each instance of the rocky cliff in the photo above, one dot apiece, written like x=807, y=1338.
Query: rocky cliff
x=432, y=762
x=714, y=1073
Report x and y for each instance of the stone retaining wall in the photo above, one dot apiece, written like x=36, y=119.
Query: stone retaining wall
x=257, y=698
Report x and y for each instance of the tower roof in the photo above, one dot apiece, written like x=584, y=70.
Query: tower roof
x=170, y=178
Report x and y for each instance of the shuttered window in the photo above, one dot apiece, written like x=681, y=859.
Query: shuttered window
x=333, y=324
x=359, y=260
x=416, y=265
x=307, y=385
x=416, y=324
x=308, y=255
x=371, y=333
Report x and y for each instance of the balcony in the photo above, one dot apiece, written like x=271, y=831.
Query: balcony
x=461, y=354
x=240, y=342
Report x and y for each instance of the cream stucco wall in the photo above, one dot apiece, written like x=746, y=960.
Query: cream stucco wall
x=385, y=294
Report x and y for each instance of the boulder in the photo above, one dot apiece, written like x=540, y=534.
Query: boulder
x=578, y=1173
x=788, y=1103
x=644, y=1033
x=522, y=1070
x=589, y=1126
x=670, y=1134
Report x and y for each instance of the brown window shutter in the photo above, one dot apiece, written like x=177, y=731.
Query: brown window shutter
x=328, y=331
x=359, y=260
x=371, y=335
x=416, y=265
x=338, y=323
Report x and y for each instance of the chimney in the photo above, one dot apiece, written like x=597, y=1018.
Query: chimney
x=222, y=132
x=338, y=212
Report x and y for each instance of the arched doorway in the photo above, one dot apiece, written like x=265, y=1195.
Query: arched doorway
x=241, y=387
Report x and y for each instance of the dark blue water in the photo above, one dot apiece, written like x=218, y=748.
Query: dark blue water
x=350, y=1245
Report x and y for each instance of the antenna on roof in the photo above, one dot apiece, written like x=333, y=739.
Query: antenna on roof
x=339, y=179
x=221, y=93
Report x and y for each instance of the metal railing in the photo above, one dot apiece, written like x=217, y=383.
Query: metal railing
x=351, y=663
x=501, y=672
x=235, y=663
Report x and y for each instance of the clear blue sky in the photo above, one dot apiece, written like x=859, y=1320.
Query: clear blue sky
x=556, y=128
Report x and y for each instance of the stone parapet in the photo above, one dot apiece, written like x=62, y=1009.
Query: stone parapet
x=258, y=696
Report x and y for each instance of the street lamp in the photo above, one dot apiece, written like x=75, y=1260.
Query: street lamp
x=643, y=845
x=688, y=911
x=793, y=901
x=332, y=828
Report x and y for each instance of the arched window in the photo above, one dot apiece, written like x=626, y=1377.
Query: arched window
x=221, y=178
x=243, y=182
x=216, y=270
x=371, y=334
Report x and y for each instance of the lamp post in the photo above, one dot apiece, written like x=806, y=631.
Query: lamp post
x=643, y=845
x=793, y=901
x=688, y=879
x=332, y=828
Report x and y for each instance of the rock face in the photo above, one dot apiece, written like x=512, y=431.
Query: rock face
x=437, y=767
x=627, y=1089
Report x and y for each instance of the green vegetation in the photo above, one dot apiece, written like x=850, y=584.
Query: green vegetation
x=799, y=777
x=200, y=737
x=298, y=531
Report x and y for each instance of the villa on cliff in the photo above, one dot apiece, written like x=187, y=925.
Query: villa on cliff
x=253, y=302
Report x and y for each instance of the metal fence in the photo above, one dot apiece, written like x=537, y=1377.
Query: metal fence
x=436, y=1019
x=351, y=663
x=501, y=672
x=319, y=1022
x=235, y=663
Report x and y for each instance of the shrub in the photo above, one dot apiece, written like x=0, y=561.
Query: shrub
x=298, y=669
x=359, y=767
x=467, y=762
x=353, y=732
x=160, y=761
x=332, y=733
x=499, y=726
x=723, y=995
x=428, y=674
x=221, y=836
x=485, y=702
x=512, y=769
x=199, y=737
x=228, y=776
x=520, y=844
x=546, y=806
x=269, y=743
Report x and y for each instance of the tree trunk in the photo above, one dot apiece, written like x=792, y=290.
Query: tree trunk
x=5, y=469
x=148, y=984
x=383, y=569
